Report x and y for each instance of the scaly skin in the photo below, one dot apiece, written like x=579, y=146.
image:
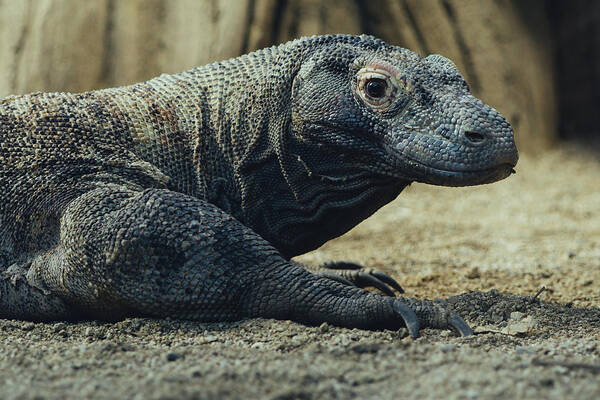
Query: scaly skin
x=187, y=195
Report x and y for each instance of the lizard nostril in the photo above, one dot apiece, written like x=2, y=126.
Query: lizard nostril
x=474, y=137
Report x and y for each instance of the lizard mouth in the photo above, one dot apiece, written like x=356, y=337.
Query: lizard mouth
x=446, y=177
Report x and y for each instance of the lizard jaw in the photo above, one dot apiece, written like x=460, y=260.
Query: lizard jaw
x=444, y=166
x=442, y=177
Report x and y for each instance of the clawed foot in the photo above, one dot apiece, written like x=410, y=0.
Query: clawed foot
x=418, y=314
x=353, y=274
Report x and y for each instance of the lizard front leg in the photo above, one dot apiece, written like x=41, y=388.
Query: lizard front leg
x=162, y=253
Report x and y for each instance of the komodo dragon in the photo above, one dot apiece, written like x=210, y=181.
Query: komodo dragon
x=187, y=195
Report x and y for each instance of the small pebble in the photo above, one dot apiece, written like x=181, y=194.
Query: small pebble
x=516, y=315
x=524, y=350
x=448, y=348
x=27, y=326
x=548, y=382
x=258, y=346
x=473, y=273
x=172, y=356
x=324, y=327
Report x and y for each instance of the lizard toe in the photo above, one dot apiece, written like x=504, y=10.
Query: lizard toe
x=362, y=277
x=418, y=314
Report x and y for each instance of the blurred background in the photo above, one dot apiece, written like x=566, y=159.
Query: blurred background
x=537, y=61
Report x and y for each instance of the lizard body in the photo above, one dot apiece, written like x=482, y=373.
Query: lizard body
x=188, y=194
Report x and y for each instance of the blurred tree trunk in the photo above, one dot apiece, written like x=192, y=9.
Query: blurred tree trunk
x=577, y=32
x=500, y=46
x=51, y=45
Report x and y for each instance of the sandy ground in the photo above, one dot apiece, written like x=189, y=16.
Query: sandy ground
x=539, y=228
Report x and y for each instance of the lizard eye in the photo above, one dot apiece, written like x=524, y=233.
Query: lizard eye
x=376, y=87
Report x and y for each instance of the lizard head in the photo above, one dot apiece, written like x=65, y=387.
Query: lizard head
x=383, y=109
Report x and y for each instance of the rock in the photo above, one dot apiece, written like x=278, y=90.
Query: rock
x=172, y=356
x=324, y=327
x=519, y=327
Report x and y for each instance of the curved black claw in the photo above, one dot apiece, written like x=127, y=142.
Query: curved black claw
x=385, y=278
x=427, y=314
x=362, y=277
x=459, y=325
x=410, y=318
